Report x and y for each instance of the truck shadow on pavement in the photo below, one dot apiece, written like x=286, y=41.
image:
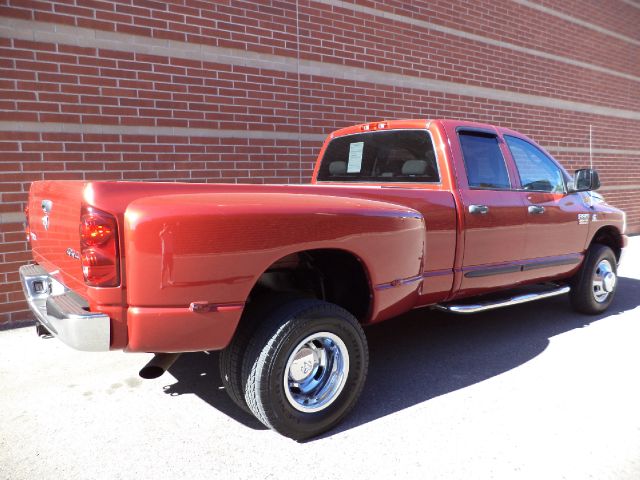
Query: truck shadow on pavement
x=425, y=354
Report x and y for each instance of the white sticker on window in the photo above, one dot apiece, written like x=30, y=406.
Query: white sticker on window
x=355, y=157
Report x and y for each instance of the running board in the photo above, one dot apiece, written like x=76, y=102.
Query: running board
x=516, y=300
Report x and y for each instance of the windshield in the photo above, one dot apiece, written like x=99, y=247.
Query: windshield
x=380, y=156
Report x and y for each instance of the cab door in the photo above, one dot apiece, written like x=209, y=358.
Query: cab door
x=557, y=221
x=493, y=213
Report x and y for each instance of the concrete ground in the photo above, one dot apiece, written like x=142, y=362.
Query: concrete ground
x=530, y=392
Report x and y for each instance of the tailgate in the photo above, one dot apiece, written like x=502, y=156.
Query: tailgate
x=54, y=221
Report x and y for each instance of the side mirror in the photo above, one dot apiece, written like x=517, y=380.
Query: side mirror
x=584, y=180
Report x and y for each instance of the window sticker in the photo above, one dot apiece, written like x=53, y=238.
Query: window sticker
x=355, y=157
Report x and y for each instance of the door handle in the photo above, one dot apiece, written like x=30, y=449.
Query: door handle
x=478, y=209
x=535, y=209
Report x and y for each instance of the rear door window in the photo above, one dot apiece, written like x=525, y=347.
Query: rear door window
x=381, y=156
x=483, y=160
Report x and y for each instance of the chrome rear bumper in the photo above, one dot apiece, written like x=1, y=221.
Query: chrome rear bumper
x=63, y=312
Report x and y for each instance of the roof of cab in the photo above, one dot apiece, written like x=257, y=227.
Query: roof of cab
x=421, y=124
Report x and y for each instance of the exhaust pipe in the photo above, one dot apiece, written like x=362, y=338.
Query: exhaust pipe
x=42, y=331
x=159, y=364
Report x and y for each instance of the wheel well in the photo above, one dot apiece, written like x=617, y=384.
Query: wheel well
x=610, y=237
x=336, y=276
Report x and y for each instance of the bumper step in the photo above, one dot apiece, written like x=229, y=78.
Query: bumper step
x=63, y=313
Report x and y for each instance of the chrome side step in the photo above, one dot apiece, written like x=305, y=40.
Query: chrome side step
x=490, y=305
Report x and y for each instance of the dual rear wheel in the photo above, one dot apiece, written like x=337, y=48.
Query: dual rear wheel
x=300, y=368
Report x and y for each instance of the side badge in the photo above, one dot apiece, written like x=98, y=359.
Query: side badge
x=583, y=218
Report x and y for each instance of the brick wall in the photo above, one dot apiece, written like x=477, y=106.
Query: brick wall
x=245, y=91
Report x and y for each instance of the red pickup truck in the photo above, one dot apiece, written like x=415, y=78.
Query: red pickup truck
x=451, y=215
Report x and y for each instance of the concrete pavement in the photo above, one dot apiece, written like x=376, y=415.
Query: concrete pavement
x=529, y=392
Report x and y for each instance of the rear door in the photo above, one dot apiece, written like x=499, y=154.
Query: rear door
x=493, y=213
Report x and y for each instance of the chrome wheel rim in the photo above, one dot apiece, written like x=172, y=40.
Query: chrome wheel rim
x=316, y=372
x=604, y=281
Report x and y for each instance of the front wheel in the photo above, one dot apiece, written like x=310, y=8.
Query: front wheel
x=594, y=286
x=305, y=367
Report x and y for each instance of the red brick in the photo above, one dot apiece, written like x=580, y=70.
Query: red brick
x=19, y=135
x=59, y=117
x=17, y=74
x=15, y=53
x=9, y=146
x=76, y=50
x=53, y=18
x=55, y=57
x=15, y=12
x=95, y=24
x=41, y=146
x=169, y=35
x=32, y=4
x=113, y=17
x=11, y=307
x=79, y=70
x=61, y=137
x=134, y=30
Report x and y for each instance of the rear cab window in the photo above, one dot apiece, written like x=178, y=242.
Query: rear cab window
x=483, y=160
x=381, y=157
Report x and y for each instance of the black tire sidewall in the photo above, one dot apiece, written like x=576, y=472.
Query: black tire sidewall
x=270, y=366
x=582, y=296
x=232, y=357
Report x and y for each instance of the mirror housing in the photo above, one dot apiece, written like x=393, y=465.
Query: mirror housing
x=584, y=180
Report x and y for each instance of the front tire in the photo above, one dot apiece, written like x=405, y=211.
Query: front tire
x=595, y=284
x=305, y=367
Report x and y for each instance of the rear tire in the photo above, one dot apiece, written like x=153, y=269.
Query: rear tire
x=230, y=364
x=305, y=366
x=231, y=358
x=595, y=284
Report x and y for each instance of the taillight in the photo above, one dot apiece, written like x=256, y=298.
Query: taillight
x=27, y=229
x=99, y=248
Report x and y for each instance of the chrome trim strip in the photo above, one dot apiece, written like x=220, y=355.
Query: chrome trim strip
x=486, y=272
x=516, y=300
x=437, y=273
x=64, y=312
x=416, y=278
x=551, y=263
x=522, y=265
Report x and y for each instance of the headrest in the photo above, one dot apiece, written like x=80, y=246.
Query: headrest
x=338, y=168
x=414, y=167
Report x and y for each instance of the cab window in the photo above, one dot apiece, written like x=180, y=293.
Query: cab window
x=536, y=170
x=483, y=161
x=381, y=156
